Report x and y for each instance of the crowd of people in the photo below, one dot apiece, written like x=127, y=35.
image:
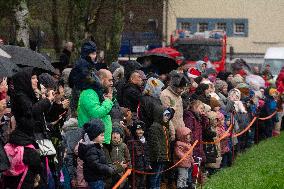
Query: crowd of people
x=85, y=128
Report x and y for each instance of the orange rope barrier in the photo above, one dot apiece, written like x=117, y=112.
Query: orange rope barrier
x=268, y=117
x=126, y=174
x=246, y=129
x=185, y=156
x=225, y=135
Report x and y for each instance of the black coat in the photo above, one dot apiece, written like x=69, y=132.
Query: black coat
x=131, y=96
x=149, y=107
x=95, y=165
x=140, y=152
x=31, y=158
x=27, y=109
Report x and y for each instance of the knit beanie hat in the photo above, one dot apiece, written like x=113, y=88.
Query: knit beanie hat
x=137, y=125
x=94, y=128
x=118, y=130
x=214, y=103
x=88, y=48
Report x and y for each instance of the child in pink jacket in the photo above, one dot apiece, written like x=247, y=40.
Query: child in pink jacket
x=182, y=146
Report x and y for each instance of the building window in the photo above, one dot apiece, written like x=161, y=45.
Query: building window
x=239, y=28
x=221, y=26
x=202, y=27
x=185, y=25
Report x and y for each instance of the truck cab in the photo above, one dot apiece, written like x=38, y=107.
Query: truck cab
x=207, y=46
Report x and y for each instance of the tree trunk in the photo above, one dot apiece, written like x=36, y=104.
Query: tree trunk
x=54, y=26
x=22, y=29
x=116, y=31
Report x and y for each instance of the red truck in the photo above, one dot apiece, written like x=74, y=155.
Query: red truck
x=209, y=45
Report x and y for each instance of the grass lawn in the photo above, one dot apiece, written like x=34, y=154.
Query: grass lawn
x=261, y=167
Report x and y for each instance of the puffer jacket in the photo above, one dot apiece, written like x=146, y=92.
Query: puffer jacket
x=140, y=152
x=182, y=146
x=95, y=165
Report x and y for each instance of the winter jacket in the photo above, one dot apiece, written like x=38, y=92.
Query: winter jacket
x=31, y=158
x=158, y=140
x=119, y=153
x=182, y=146
x=95, y=165
x=83, y=75
x=27, y=109
x=170, y=99
x=131, y=96
x=90, y=107
x=140, y=154
x=208, y=135
x=149, y=107
x=194, y=124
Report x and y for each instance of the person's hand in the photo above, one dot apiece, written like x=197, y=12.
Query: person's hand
x=65, y=103
x=3, y=85
x=108, y=96
x=3, y=105
x=50, y=95
x=124, y=165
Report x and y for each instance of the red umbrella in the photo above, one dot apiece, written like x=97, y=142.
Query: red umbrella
x=165, y=59
x=165, y=51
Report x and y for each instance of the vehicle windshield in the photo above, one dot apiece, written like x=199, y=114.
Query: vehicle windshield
x=195, y=52
x=275, y=65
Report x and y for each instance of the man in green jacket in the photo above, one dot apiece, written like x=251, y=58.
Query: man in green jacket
x=91, y=107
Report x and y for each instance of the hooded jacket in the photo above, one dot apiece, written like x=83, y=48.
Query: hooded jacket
x=27, y=109
x=182, y=146
x=158, y=140
x=31, y=158
x=95, y=165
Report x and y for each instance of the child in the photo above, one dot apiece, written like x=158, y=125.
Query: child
x=224, y=144
x=95, y=167
x=71, y=136
x=182, y=146
x=139, y=153
x=212, y=151
x=119, y=153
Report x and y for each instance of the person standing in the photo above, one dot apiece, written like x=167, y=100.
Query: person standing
x=64, y=59
x=132, y=92
x=83, y=70
x=94, y=104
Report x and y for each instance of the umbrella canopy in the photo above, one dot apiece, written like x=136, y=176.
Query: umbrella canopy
x=25, y=57
x=164, y=59
x=7, y=68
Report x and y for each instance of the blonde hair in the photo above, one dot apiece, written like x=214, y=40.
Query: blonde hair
x=195, y=104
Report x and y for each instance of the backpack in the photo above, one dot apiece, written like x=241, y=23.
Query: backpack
x=15, y=155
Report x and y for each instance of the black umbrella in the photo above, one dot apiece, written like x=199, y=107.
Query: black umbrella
x=7, y=68
x=163, y=63
x=25, y=57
